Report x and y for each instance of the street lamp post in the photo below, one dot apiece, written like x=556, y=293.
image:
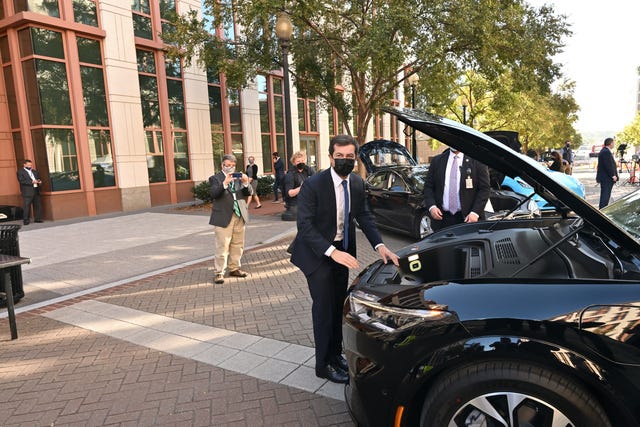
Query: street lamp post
x=465, y=104
x=284, y=29
x=413, y=81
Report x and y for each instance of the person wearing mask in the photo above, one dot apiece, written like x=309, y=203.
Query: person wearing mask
x=229, y=216
x=252, y=173
x=324, y=249
x=293, y=182
x=30, y=182
x=456, y=189
x=607, y=173
x=278, y=167
x=567, y=156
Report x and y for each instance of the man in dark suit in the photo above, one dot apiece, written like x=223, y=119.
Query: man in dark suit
x=456, y=189
x=278, y=167
x=325, y=248
x=229, y=215
x=607, y=174
x=29, y=180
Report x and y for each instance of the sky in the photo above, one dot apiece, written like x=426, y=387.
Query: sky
x=602, y=57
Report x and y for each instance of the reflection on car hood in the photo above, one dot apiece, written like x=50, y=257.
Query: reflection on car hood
x=496, y=155
x=381, y=153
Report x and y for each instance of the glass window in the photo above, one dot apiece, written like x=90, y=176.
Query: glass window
x=89, y=51
x=176, y=104
x=58, y=148
x=278, y=113
x=234, y=110
x=266, y=149
x=155, y=157
x=142, y=19
x=11, y=97
x=47, y=92
x=181, y=156
x=237, y=149
x=5, y=55
x=17, y=146
x=173, y=68
x=94, y=95
x=167, y=9
x=40, y=41
x=146, y=61
x=45, y=7
x=149, y=99
x=217, y=145
x=301, y=114
x=313, y=116
x=101, y=158
x=215, y=108
x=85, y=12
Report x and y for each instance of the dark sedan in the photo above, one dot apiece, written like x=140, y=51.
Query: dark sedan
x=395, y=193
x=530, y=322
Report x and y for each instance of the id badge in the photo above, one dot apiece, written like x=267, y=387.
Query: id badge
x=469, y=183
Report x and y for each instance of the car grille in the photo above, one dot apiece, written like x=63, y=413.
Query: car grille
x=475, y=263
x=506, y=252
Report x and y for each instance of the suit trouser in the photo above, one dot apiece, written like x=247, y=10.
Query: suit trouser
x=32, y=200
x=605, y=193
x=229, y=244
x=448, y=219
x=328, y=288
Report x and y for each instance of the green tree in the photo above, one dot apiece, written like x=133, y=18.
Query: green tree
x=372, y=47
x=631, y=133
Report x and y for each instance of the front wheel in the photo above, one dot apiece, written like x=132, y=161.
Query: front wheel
x=510, y=394
x=422, y=226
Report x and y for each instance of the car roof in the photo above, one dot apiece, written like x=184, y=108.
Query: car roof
x=498, y=156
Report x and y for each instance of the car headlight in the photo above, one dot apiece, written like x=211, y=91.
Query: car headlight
x=369, y=311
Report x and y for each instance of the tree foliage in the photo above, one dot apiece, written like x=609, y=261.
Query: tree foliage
x=371, y=47
x=631, y=133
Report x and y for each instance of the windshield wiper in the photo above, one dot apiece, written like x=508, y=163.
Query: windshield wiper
x=495, y=223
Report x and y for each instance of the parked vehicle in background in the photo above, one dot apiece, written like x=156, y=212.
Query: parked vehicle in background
x=395, y=188
x=532, y=322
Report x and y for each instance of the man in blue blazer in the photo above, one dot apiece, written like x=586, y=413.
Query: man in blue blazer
x=325, y=248
x=229, y=215
x=607, y=173
x=451, y=203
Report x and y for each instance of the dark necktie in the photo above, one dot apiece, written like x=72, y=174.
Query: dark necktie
x=236, y=208
x=345, y=227
x=454, y=204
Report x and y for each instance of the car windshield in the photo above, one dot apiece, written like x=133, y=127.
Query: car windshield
x=626, y=213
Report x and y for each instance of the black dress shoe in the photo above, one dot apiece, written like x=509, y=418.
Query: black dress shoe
x=25, y=222
x=341, y=363
x=333, y=374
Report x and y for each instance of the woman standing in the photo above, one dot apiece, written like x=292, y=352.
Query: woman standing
x=252, y=173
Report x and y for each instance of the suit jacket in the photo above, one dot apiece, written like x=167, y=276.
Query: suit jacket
x=222, y=208
x=278, y=166
x=471, y=199
x=317, y=222
x=26, y=184
x=606, y=166
x=254, y=171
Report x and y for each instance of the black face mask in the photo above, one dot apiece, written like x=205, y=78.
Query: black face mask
x=343, y=167
x=300, y=166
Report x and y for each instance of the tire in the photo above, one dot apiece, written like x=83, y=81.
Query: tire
x=485, y=393
x=422, y=226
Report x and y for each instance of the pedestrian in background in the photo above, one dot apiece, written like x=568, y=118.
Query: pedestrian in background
x=456, y=189
x=293, y=182
x=278, y=167
x=229, y=216
x=29, y=180
x=567, y=156
x=607, y=173
x=252, y=173
x=557, y=163
x=324, y=249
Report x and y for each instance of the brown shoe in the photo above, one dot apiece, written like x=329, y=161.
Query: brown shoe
x=219, y=278
x=238, y=273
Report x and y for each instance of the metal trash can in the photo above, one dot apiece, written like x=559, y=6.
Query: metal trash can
x=9, y=246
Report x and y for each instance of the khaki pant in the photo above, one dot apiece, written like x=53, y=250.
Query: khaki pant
x=229, y=244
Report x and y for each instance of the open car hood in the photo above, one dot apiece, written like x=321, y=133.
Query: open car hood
x=500, y=157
